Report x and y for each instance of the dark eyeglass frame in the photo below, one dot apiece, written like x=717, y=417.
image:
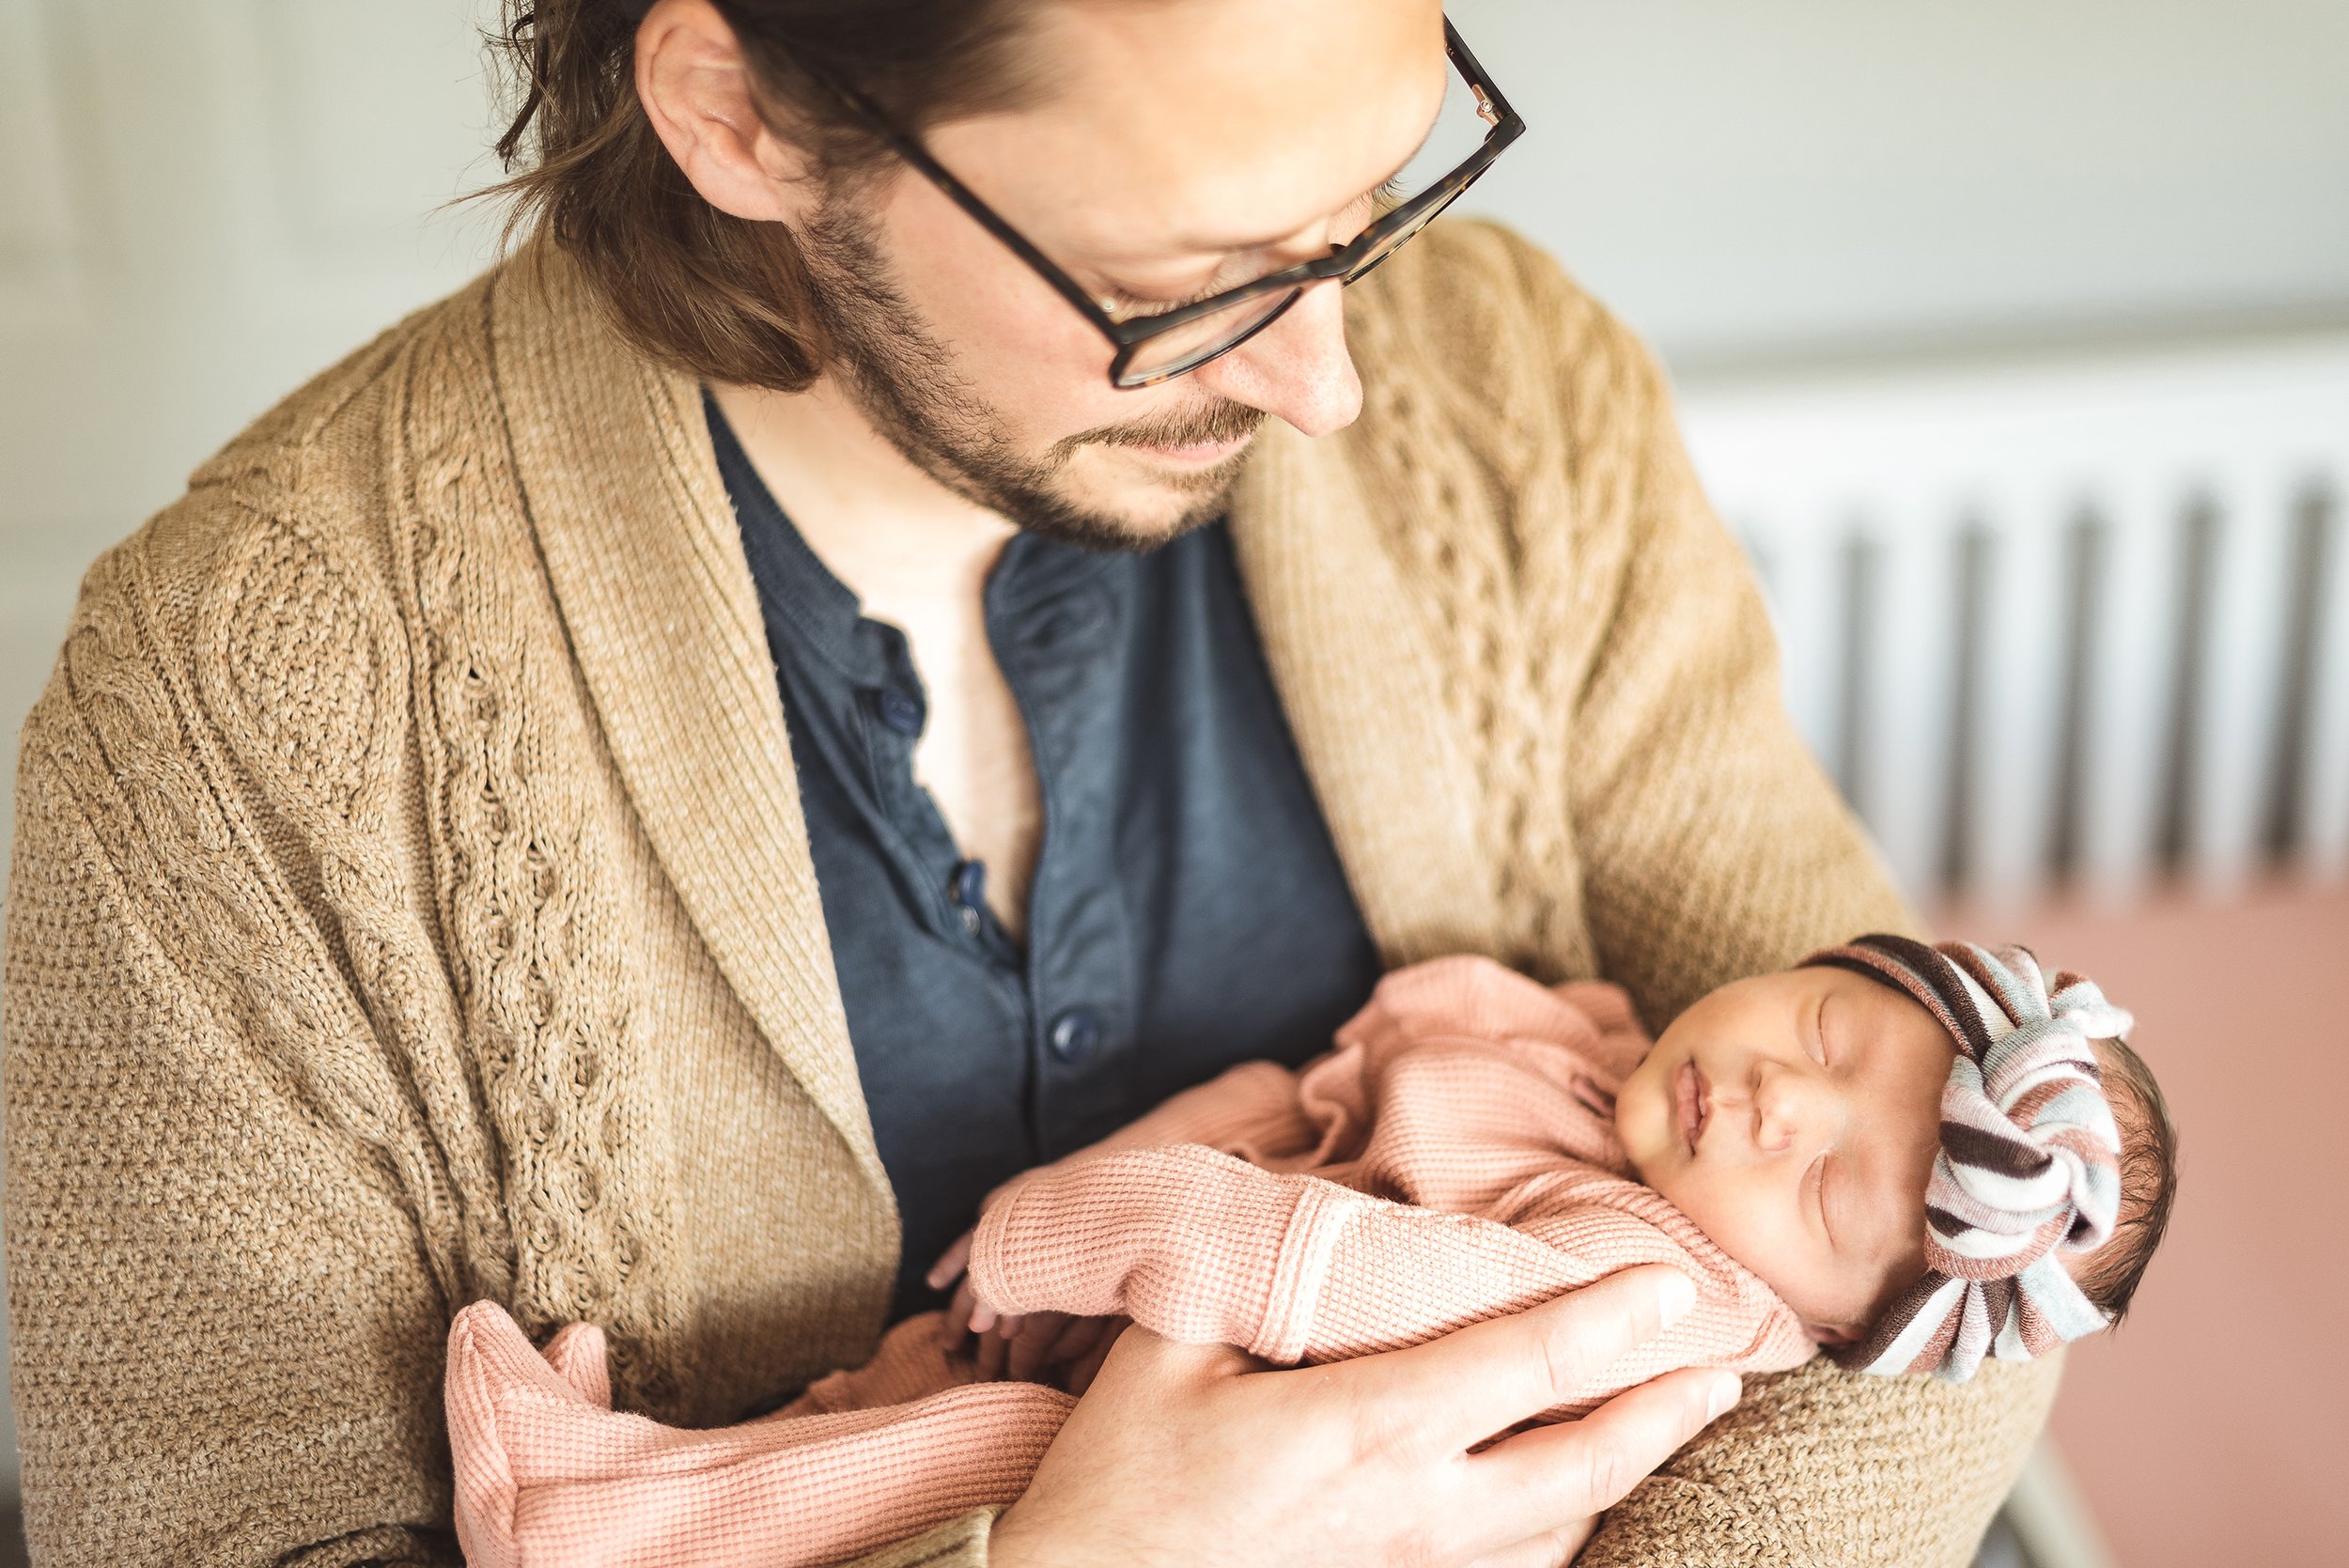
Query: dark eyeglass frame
x=1348, y=263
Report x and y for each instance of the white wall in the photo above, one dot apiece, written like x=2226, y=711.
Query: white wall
x=1750, y=180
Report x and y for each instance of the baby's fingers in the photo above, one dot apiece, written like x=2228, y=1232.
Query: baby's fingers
x=950, y=1265
x=1031, y=1338
x=1079, y=1336
x=991, y=1351
x=965, y=1314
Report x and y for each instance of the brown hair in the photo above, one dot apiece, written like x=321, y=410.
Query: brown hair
x=691, y=287
x=2149, y=1180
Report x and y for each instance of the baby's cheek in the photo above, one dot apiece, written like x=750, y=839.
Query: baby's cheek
x=1728, y=1215
x=1719, y=1208
x=1745, y=1221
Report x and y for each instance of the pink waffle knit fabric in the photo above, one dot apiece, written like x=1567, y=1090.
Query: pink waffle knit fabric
x=1454, y=1158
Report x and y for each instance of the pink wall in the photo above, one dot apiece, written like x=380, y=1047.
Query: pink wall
x=2213, y=1427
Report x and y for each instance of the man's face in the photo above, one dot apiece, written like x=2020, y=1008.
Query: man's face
x=1177, y=148
x=1795, y=1118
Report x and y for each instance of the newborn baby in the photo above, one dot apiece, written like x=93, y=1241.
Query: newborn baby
x=1917, y=1156
x=1826, y=1169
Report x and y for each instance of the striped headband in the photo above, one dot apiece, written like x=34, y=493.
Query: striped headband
x=2030, y=1163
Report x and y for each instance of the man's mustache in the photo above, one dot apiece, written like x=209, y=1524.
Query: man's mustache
x=1218, y=422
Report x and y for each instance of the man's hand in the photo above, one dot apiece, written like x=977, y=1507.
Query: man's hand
x=1195, y=1455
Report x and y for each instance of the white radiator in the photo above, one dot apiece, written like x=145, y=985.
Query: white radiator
x=2079, y=622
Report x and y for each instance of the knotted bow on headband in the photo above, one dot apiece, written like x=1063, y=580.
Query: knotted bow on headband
x=2029, y=1164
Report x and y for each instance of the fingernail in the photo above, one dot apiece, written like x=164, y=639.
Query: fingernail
x=1675, y=1298
x=1725, y=1391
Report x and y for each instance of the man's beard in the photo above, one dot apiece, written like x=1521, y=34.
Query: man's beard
x=904, y=380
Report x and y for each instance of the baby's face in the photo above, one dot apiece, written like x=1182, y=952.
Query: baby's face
x=1795, y=1118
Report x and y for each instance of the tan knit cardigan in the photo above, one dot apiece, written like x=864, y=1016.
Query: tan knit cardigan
x=412, y=904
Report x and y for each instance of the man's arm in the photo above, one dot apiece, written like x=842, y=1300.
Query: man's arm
x=1712, y=844
x=227, y=1344
x=1820, y=1467
x=229, y=1325
x=1712, y=847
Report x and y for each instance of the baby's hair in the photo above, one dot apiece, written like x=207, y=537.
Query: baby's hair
x=2149, y=1180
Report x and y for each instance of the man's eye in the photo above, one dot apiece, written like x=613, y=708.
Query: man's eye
x=1383, y=197
x=1126, y=307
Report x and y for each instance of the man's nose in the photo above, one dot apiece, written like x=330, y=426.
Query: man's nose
x=1791, y=1108
x=1296, y=369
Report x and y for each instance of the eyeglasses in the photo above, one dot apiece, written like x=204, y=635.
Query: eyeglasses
x=1160, y=346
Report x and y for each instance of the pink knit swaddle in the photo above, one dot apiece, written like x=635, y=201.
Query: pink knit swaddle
x=1453, y=1160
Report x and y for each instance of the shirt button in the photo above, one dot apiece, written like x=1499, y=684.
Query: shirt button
x=899, y=712
x=1075, y=1034
x=968, y=889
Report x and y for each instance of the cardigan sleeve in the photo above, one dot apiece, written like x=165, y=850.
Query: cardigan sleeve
x=1712, y=847
x=228, y=1258
x=226, y=1341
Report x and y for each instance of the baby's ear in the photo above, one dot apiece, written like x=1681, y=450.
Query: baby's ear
x=1829, y=1333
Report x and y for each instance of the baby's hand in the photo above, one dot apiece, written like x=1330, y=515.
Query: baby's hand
x=1034, y=1348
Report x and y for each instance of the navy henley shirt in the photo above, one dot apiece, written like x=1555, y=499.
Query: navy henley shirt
x=1188, y=910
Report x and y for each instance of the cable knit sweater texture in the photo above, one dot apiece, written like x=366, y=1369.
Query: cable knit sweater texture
x=411, y=905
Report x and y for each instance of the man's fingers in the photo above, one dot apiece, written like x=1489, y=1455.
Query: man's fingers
x=1462, y=1388
x=1557, y=1476
x=1552, y=1548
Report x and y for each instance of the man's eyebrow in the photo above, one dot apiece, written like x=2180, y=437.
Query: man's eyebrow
x=1230, y=247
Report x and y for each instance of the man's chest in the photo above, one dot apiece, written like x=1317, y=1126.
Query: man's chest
x=1117, y=745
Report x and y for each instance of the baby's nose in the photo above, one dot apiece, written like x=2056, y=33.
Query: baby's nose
x=1789, y=1106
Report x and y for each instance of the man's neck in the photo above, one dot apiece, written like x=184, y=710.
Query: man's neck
x=916, y=555
x=908, y=547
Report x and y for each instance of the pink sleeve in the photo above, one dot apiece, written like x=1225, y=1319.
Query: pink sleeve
x=1202, y=1248
x=549, y=1476
x=1250, y=1110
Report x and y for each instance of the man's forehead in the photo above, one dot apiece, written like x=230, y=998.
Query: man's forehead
x=1190, y=126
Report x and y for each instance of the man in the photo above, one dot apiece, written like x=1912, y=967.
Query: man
x=912, y=620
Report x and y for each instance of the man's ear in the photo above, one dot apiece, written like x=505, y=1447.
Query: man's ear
x=695, y=85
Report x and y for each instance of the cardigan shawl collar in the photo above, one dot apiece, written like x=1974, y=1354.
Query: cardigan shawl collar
x=622, y=490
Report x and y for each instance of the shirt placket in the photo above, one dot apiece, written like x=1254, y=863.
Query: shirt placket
x=1051, y=639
